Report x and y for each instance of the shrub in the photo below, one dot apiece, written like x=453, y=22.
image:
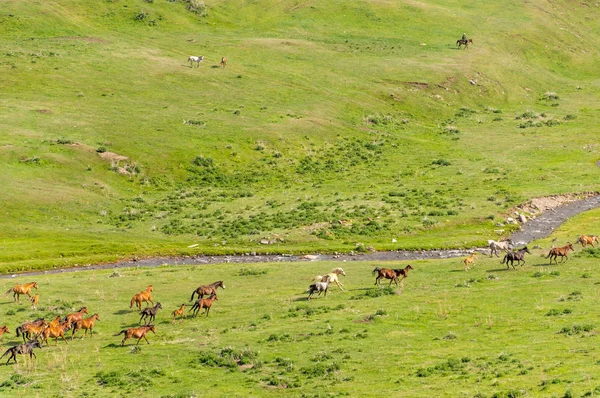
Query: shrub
x=197, y=7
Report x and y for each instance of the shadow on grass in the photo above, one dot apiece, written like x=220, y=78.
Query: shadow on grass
x=122, y=312
x=498, y=270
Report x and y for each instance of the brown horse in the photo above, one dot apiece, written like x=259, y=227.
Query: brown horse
x=179, y=313
x=3, y=329
x=22, y=289
x=555, y=252
x=392, y=274
x=139, y=333
x=207, y=290
x=149, y=313
x=470, y=261
x=587, y=240
x=77, y=316
x=85, y=324
x=223, y=62
x=203, y=303
x=34, y=301
x=31, y=329
x=139, y=298
x=56, y=332
x=465, y=43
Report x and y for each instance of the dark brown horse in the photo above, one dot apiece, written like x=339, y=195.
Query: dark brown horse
x=22, y=289
x=22, y=349
x=207, y=290
x=517, y=256
x=203, y=303
x=149, y=313
x=139, y=333
x=392, y=274
x=465, y=43
x=555, y=252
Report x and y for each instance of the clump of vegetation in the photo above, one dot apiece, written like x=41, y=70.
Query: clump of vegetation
x=227, y=357
x=245, y=271
x=576, y=329
x=15, y=381
x=197, y=7
x=550, y=96
x=557, y=312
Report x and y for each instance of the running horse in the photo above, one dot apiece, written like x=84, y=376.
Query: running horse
x=392, y=274
x=333, y=277
x=461, y=42
x=495, y=246
x=139, y=298
x=207, y=290
x=587, y=240
x=517, y=256
x=22, y=289
x=555, y=252
x=139, y=333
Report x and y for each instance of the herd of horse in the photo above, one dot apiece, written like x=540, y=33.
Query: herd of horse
x=518, y=255
x=37, y=332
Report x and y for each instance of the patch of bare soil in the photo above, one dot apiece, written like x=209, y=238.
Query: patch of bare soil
x=112, y=157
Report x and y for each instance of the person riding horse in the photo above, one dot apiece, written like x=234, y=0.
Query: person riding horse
x=464, y=37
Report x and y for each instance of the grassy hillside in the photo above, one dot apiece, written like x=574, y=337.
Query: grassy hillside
x=334, y=123
x=487, y=333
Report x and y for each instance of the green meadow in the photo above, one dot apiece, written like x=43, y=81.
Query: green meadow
x=334, y=123
x=490, y=332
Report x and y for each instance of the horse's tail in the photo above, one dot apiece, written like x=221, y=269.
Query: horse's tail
x=6, y=352
x=9, y=290
x=19, y=330
x=375, y=270
x=121, y=332
x=193, y=293
x=504, y=259
x=131, y=302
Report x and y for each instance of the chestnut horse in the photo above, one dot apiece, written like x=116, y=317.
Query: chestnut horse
x=85, y=324
x=207, y=290
x=560, y=251
x=34, y=301
x=77, y=316
x=203, y=303
x=587, y=240
x=470, y=261
x=179, y=313
x=3, y=329
x=223, y=62
x=22, y=289
x=392, y=274
x=31, y=329
x=139, y=333
x=139, y=298
x=56, y=332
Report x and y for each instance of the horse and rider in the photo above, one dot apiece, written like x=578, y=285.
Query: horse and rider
x=463, y=41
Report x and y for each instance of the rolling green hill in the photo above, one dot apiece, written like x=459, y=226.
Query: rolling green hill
x=334, y=123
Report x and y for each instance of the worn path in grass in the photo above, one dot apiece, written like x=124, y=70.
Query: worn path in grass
x=538, y=228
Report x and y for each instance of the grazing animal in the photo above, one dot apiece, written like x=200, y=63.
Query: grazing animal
x=179, y=313
x=203, y=303
x=223, y=62
x=495, y=246
x=77, y=316
x=392, y=274
x=22, y=349
x=139, y=333
x=207, y=290
x=470, y=261
x=139, y=298
x=149, y=313
x=587, y=240
x=333, y=277
x=555, y=252
x=22, y=289
x=513, y=256
x=31, y=329
x=318, y=287
x=34, y=301
x=85, y=324
x=193, y=59
x=56, y=332
x=4, y=329
x=461, y=42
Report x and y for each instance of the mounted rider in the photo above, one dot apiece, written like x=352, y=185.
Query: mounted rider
x=464, y=38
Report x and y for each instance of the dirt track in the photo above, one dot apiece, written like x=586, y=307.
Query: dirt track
x=540, y=227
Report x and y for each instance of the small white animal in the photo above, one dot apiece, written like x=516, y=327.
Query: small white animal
x=193, y=59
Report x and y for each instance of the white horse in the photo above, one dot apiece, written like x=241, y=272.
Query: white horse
x=495, y=246
x=318, y=287
x=193, y=59
x=333, y=277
